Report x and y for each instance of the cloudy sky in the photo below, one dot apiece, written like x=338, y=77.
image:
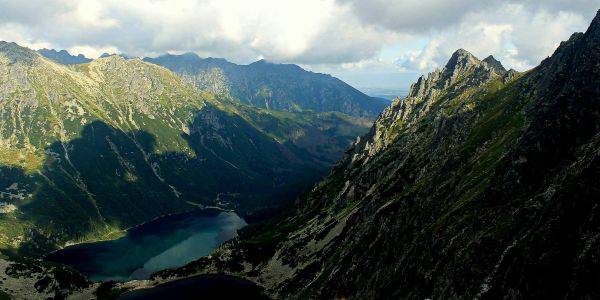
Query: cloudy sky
x=369, y=43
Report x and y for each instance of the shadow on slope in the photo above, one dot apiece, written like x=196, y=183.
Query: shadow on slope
x=106, y=180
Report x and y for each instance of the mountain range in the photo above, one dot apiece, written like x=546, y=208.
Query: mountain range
x=64, y=57
x=277, y=87
x=89, y=149
x=281, y=87
x=481, y=184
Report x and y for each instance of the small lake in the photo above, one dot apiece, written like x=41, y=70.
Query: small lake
x=200, y=287
x=168, y=242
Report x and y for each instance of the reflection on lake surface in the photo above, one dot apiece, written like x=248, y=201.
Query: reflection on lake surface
x=167, y=242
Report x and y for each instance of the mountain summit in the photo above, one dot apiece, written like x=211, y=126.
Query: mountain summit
x=460, y=61
x=14, y=53
x=463, y=73
x=493, y=62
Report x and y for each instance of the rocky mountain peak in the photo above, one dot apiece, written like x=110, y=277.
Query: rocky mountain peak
x=15, y=53
x=494, y=63
x=63, y=56
x=117, y=59
x=109, y=58
x=594, y=29
x=461, y=60
x=462, y=64
x=462, y=72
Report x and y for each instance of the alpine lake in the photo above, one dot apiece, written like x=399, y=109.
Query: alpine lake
x=167, y=242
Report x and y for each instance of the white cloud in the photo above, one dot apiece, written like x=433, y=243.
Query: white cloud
x=303, y=31
x=538, y=35
x=93, y=51
x=12, y=32
x=88, y=14
x=417, y=16
x=515, y=34
x=349, y=34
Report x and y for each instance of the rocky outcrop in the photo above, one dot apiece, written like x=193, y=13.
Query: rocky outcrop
x=63, y=57
x=494, y=63
x=34, y=279
x=464, y=74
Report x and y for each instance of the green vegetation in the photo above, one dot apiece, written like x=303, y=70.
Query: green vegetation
x=5, y=296
x=276, y=87
x=91, y=149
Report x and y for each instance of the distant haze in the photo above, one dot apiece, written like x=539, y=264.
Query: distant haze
x=387, y=94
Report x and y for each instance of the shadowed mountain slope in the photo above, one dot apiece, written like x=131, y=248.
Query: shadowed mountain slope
x=63, y=57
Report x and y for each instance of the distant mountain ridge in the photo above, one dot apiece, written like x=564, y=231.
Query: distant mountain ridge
x=279, y=87
x=64, y=57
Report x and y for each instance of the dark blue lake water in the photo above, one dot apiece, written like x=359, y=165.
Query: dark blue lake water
x=167, y=242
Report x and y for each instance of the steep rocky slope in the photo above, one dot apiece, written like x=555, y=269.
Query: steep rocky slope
x=89, y=149
x=34, y=279
x=482, y=183
x=278, y=87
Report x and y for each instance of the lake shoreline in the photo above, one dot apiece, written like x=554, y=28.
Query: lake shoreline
x=165, y=242
x=126, y=230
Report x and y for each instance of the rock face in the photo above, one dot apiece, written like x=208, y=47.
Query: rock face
x=278, y=87
x=35, y=279
x=89, y=149
x=481, y=184
x=463, y=74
